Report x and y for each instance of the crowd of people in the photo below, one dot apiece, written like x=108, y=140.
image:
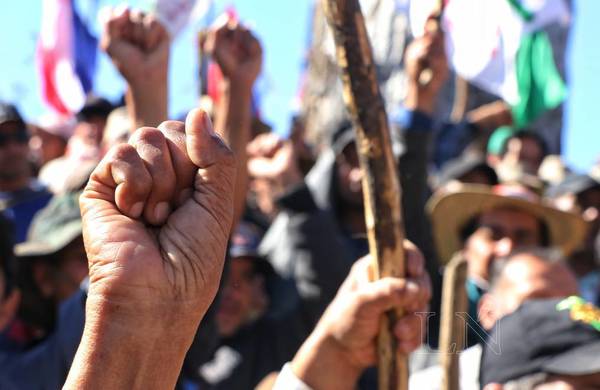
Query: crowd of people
x=138, y=252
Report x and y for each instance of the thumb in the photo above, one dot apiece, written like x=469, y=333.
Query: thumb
x=205, y=147
x=215, y=178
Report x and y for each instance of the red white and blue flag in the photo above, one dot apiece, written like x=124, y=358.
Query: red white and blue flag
x=66, y=57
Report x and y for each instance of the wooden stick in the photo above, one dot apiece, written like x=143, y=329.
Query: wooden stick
x=381, y=187
x=453, y=326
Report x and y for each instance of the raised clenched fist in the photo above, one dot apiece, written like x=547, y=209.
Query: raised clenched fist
x=157, y=214
x=236, y=50
x=137, y=44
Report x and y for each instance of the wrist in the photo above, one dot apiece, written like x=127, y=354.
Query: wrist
x=419, y=100
x=132, y=347
x=322, y=363
x=235, y=88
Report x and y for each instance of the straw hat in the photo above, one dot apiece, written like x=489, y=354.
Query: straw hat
x=453, y=208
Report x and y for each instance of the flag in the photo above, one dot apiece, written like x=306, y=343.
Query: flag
x=175, y=15
x=499, y=46
x=66, y=57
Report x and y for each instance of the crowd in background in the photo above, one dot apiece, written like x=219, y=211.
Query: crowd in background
x=527, y=227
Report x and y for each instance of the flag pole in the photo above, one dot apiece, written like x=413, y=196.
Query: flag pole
x=381, y=187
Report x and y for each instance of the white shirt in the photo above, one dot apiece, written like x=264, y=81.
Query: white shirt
x=431, y=378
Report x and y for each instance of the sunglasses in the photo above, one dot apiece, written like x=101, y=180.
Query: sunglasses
x=20, y=137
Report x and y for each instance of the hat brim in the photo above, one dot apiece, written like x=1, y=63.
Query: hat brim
x=579, y=361
x=63, y=238
x=451, y=211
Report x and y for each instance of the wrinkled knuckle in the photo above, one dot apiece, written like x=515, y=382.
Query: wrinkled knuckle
x=177, y=126
x=148, y=135
x=123, y=152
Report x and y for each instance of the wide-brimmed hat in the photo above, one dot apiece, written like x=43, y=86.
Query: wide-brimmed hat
x=452, y=209
x=53, y=228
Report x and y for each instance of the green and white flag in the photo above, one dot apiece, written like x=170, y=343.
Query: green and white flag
x=499, y=46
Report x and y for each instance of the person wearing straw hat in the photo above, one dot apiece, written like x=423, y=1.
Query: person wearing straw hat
x=484, y=223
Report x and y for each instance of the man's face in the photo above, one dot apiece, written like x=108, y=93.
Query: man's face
x=13, y=152
x=46, y=146
x=498, y=233
x=241, y=292
x=91, y=130
x=527, y=276
x=73, y=268
x=59, y=277
x=525, y=152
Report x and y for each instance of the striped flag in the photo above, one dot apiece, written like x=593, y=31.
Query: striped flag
x=498, y=45
x=66, y=57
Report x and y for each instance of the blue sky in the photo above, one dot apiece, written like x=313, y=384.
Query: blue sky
x=282, y=27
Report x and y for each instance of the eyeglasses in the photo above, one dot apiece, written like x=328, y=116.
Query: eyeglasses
x=20, y=137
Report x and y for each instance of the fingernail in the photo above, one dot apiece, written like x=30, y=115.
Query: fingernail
x=136, y=210
x=161, y=211
x=208, y=124
x=184, y=195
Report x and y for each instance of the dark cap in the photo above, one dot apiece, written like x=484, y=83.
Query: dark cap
x=53, y=228
x=573, y=184
x=458, y=168
x=9, y=113
x=94, y=106
x=244, y=243
x=552, y=336
x=345, y=134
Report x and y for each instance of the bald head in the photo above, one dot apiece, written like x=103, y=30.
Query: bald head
x=525, y=275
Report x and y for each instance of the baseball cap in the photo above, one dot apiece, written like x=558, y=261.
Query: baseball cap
x=458, y=168
x=53, y=228
x=573, y=184
x=553, y=336
x=9, y=113
x=244, y=242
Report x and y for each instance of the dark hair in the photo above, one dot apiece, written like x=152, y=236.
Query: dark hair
x=526, y=134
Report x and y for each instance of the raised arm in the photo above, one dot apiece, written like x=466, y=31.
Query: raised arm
x=239, y=56
x=138, y=46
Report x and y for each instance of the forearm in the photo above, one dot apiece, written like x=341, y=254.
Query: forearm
x=147, y=102
x=233, y=121
x=126, y=350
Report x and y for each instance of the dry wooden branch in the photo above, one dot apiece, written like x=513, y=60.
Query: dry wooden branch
x=381, y=187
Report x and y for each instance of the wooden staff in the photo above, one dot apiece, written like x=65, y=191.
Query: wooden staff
x=453, y=326
x=381, y=188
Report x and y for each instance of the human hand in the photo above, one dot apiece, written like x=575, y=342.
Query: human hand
x=425, y=54
x=156, y=218
x=236, y=50
x=156, y=215
x=137, y=44
x=344, y=342
x=273, y=159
